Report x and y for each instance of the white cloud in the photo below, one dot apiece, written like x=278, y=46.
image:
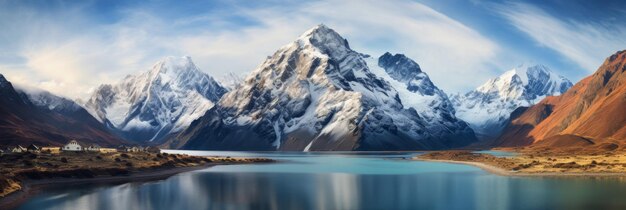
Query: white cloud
x=80, y=55
x=584, y=43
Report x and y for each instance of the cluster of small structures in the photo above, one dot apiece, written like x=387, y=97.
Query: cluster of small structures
x=75, y=146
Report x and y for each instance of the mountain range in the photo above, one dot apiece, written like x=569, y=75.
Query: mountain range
x=488, y=107
x=318, y=94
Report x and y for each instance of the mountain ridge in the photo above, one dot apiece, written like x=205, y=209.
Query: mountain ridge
x=487, y=108
x=315, y=93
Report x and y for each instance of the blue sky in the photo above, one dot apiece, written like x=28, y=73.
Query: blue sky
x=70, y=47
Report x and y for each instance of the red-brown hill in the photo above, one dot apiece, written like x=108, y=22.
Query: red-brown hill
x=591, y=114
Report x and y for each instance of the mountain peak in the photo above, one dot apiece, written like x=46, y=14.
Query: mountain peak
x=175, y=64
x=324, y=38
x=177, y=60
x=153, y=104
x=619, y=54
x=388, y=59
x=403, y=69
x=489, y=106
x=523, y=71
x=4, y=82
x=317, y=30
x=527, y=77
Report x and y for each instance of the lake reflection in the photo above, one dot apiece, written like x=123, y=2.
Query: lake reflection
x=340, y=181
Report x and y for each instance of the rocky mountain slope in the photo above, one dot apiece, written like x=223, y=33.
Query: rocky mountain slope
x=39, y=117
x=316, y=93
x=592, y=113
x=487, y=108
x=151, y=106
x=417, y=91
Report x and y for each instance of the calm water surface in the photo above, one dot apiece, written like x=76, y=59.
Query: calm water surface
x=340, y=181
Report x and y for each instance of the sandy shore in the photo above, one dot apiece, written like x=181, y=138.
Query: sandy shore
x=505, y=172
x=531, y=165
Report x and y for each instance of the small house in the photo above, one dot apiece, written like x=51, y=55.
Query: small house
x=17, y=149
x=1, y=152
x=33, y=148
x=93, y=148
x=134, y=149
x=73, y=145
x=107, y=150
x=52, y=150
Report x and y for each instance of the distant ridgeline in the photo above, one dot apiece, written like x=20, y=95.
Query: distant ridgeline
x=488, y=107
x=38, y=117
x=317, y=94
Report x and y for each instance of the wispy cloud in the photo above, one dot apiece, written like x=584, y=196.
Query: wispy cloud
x=585, y=43
x=76, y=54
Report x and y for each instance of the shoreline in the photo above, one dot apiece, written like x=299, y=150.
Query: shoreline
x=31, y=187
x=503, y=172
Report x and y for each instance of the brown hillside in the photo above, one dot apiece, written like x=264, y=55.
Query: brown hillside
x=21, y=123
x=594, y=109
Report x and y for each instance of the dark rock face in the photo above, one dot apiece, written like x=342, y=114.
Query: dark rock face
x=403, y=69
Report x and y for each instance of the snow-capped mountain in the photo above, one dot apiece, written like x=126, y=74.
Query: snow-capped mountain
x=150, y=106
x=48, y=101
x=487, y=108
x=315, y=93
x=417, y=91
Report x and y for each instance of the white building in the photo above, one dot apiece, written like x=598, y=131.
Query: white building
x=93, y=148
x=133, y=149
x=17, y=149
x=73, y=145
x=33, y=149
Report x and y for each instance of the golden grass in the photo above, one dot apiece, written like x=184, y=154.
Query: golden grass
x=538, y=163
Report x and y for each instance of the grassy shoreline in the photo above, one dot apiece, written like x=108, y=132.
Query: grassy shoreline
x=538, y=164
x=24, y=175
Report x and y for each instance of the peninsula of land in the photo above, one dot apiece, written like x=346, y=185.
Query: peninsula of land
x=24, y=174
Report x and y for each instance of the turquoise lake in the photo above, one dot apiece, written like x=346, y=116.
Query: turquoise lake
x=340, y=181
